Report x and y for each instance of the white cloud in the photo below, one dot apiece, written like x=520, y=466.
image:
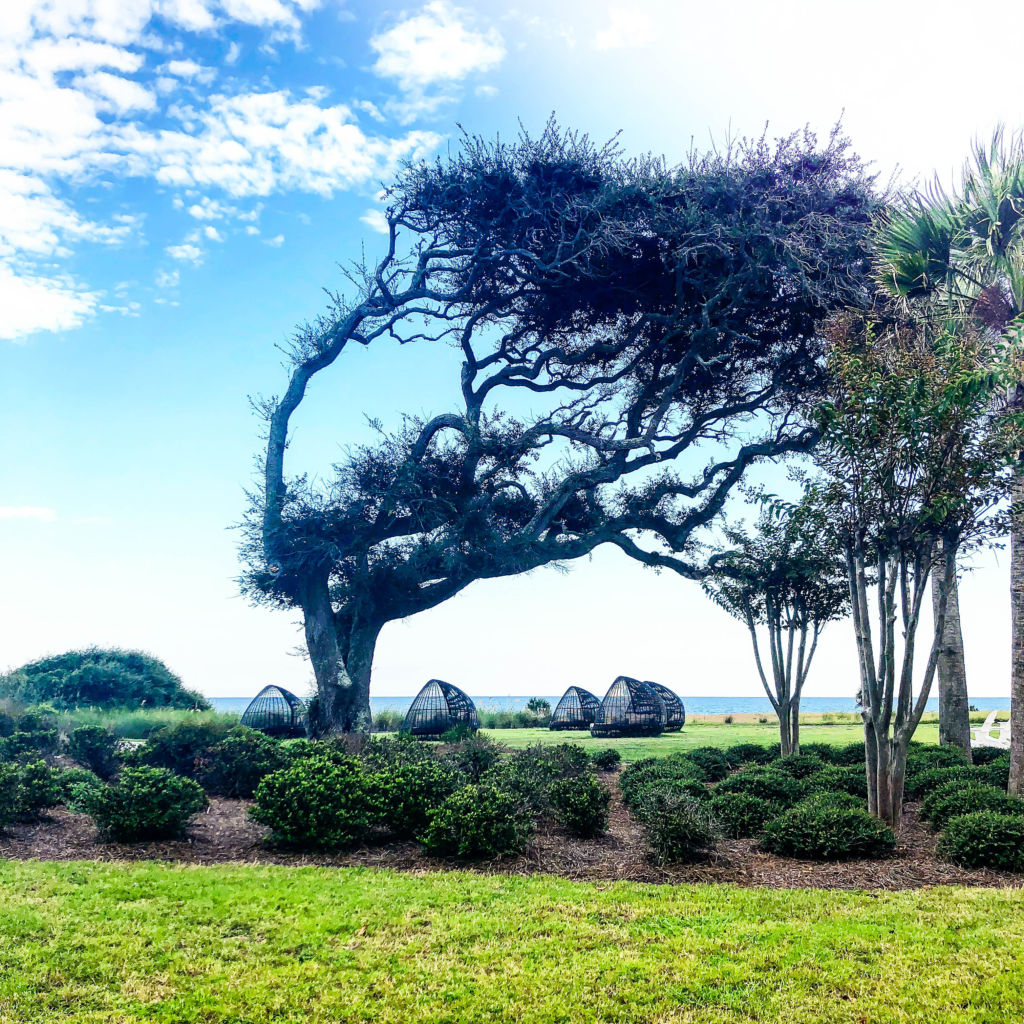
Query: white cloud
x=116, y=95
x=186, y=252
x=211, y=233
x=168, y=278
x=38, y=513
x=487, y=91
x=277, y=241
x=32, y=302
x=627, y=27
x=190, y=69
x=435, y=46
x=376, y=221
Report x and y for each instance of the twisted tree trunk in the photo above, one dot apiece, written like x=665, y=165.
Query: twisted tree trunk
x=954, y=706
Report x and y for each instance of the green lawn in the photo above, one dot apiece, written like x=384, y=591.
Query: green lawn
x=699, y=734
x=110, y=943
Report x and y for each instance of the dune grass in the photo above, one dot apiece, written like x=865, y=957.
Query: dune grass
x=117, y=943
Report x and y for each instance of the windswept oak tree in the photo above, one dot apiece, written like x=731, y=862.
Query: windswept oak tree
x=788, y=579
x=647, y=312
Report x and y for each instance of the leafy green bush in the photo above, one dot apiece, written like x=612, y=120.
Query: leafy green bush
x=849, y=754
x=817, y=830
x=38, y=789
x=740, y=815
x=458, y=733
x=823, y=751
x=922, y=758
x=388, y=721
x=235, y=766
x=799, y=766
x=921, y=783
x=984, y=839
x=996, y=772
x=639, y=775
x=766, y=783
x=102, y=678
x=832, y=798
x=958, y=797
x=176, y=747
x=146, y=803
x=317, y=802
x=478, y=822
x=679, y=828
x=473, y=756
x=712, y=762
x=406, y=794
x=74, y=786
x=10, y=793
x=386, y=751
x=581, y=805
x=606, y=760
x=94, y=748
x=748, y=753
x=986, y=755
x=839, y=778
x=28, y=743
x=568, y=758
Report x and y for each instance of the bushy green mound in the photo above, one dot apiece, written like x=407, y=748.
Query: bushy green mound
x=986, y=755
x=581, y=805
x=839, y=778
x=146, y=803
x=238, y=763
x=799, y=766
x=711, y=761
x=26, y=789
x=606, y=760
x=407, y=793
x=818, y=830
x=176, y=747
x=478, y=822
x=75, y=785
x=957, y=797
x=656, y=771
x=741, y=815
x=921, y=783
x=748, y=753
x=765, y=783
x=679, y=828
x=94, y=748
x=101, y=678
x=984, y=839
x=997, y=771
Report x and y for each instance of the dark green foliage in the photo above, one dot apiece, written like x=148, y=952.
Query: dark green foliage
x=712, y=762
x=818, y=830
x=823, y=751
x=473, y=755
x=679, y=828
x=996, y=772
x=799, y=766
x=568, y=758
x=527, y=775
x=457, y=733
x=766, y=783
x=146, y=803
x=833, y=798
x=840, y=778
x=581, y=805
x=75, y=785
x=100, y=678
x=921, y=783
x=639, y=775
x=238, y=763
x=478, y=822
x=9, y=793
x=850, y=754
x=407, y=793
x=387, y=751
x=959, y=797
x=33, y=737
x=8, y=723
x=176, y=747
x=984, y=839
x=317, y=802
x=94, y=748
x=606, y=760
x=986, y=755
x=922, y=758
x=740, y=815
x=748, y=753
x=37, y=789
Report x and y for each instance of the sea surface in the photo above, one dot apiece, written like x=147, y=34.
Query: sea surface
x=694, y=705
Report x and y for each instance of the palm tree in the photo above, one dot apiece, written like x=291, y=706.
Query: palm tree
x=962, y=257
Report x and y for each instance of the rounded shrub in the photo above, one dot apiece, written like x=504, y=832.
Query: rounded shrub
x=473, y=755
x=711, y=761
x=236, y=765
x=823, y=751
x=765, y=783
x=9, y=793
x=984, y=839
x=146, y=803
x=37, y=789
x=317, y=803
x=849, y=754
x=957, y=797
x=569, y=759
x=816, y=830
x=176, y=747
x=748, y=753
x=581, y=805
x=95, y=748
x=385, y=751
x=922, y=757
x=996, y=772
x=839, y=778
x=74, y=786
x=799, y=766
x=679, y=829
x=639, y=775
x=740, y=815
x=986, y=755
x=406, y=794
x=478, y=822
x=921, y=783
x=606, y=760
x=832, y=798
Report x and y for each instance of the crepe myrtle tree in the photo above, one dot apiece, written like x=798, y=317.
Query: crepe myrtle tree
x=914, y=466
x=647, y=311
x=787, y=578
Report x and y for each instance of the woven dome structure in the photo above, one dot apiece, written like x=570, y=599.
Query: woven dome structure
x=576, y=710
x=629, y=708
x=675, y=712
x=277, y=712
x=438, y=707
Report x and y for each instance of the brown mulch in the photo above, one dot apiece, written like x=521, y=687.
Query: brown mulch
x=224, y=834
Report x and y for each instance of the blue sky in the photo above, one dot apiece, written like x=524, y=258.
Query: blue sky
x=179, y=180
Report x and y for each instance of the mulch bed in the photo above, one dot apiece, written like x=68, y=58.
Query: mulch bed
x=224, y=834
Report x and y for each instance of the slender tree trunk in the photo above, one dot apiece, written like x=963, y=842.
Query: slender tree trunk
x=794, y=725
x=1016, y=786
x=785, y=729
x=333, y=686
x=954, y=706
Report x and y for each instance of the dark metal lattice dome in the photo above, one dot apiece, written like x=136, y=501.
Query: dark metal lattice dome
x=438, y=707
x=277, y=712
x=629, y=708
x=576, y=710
x=675, y=712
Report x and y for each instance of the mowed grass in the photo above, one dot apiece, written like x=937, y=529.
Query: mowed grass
x=699, y=734
x=110, y=943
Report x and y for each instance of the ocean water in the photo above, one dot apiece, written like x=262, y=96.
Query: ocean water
x=694, y=705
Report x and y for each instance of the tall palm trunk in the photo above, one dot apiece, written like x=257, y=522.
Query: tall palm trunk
x=954, y=707
x=1016, y=786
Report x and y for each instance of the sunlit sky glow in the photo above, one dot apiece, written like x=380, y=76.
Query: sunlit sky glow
x=179, y=180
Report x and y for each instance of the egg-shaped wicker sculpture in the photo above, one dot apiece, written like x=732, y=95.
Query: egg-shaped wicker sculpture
x=438, y=707
x=576, y=710
x=629, y=708
x=277, y=712
x=675, y=712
